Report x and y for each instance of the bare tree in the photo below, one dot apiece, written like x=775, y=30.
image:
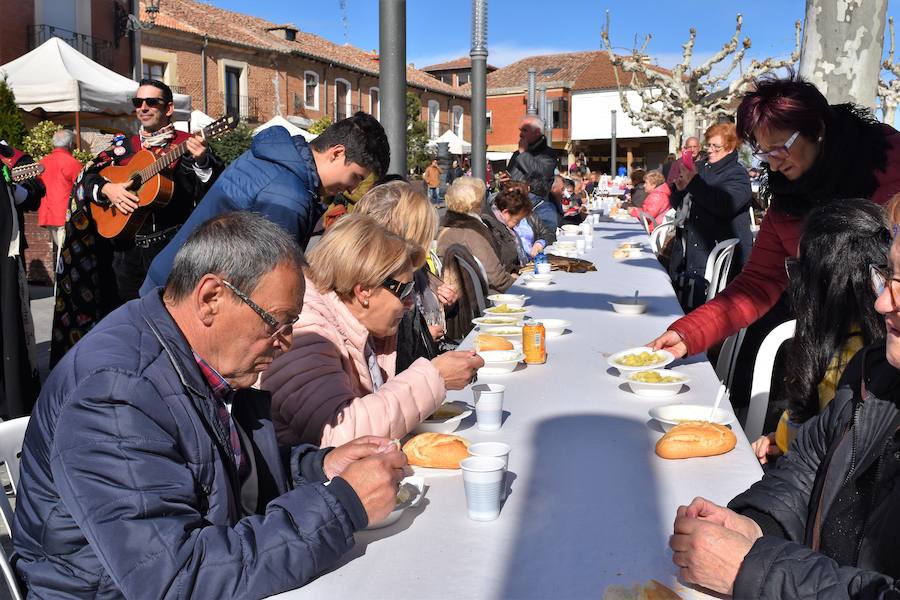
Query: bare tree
x=843, y=44
x=889, y=91
x=681, y=99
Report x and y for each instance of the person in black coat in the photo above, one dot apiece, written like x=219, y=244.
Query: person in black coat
x=712, y=202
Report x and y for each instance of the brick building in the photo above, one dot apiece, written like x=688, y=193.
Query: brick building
x=258, y=69
x=456, y=72
x=574, y=82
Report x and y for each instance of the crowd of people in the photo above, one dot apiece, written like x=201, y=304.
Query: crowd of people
x=220, y=417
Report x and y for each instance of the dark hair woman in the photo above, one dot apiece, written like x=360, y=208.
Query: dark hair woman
x=831, y=293
x=813, y=152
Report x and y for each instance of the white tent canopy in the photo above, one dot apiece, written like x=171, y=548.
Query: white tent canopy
x=58, y=78
x=279, y=121
x=457, y=145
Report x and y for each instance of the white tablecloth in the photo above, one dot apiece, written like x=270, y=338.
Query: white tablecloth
x=590, y=504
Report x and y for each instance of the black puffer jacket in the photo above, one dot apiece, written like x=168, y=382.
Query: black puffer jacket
x=536, y=167
x=829, y=510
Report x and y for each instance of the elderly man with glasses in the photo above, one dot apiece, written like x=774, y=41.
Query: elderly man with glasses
x=150, y=468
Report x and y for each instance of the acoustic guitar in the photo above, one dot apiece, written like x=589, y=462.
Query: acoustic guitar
x=26, y=172
x=151, y=187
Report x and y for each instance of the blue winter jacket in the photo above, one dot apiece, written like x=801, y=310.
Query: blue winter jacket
x=276, y=177
x=128, y=486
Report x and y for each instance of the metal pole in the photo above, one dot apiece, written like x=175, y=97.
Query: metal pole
x=479, y=54
x=392, y=78
x=137, y=71
x=612, y=160
x=203, y=71
x=532, y=103
x=542, y=103
x=548, y=124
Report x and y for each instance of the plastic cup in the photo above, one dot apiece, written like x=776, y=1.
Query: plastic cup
x=495, y=450
x=543, y=267
x=580, y=245
x=483, y=478
x=489, y=405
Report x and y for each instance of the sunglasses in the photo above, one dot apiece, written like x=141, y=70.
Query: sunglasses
x=781, y=152
x=275, y=328
x=151, y=102
x=399, y=289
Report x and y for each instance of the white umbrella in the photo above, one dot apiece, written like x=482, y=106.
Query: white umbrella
x=457, y=145
x=279, y=121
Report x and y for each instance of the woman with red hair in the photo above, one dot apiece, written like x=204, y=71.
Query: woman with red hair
x=812, y=153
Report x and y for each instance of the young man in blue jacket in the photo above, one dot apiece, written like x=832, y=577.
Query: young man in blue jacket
x=283, y=178
x=150, y=469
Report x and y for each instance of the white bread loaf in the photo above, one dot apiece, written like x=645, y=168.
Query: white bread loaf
x=436, y=450
x=695, y=438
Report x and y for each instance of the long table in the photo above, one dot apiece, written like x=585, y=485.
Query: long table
x=590, y=504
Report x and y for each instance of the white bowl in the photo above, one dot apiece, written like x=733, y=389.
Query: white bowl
x=499, y=361
x=571, y=229
x=536, y=284
x=671, y=415
x=629, y=306
x=665, y=357
x=409, y=495
x=449, y=416
x=511, y=311
x=653, y=389
x=554, y=327
x=512, y=333
x=508, y=299
x=490, y=322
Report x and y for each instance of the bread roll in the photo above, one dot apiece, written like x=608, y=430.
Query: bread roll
x=436, y=450
x=695, y=438
x=486, y=341
x=621, y=253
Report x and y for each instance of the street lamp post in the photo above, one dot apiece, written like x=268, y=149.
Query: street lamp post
x=392, y=78
x=479, y=54
x=130, y=22
x=612, y=160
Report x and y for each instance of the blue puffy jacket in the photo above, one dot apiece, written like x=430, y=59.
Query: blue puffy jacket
x=276, y=177
x=128, y=486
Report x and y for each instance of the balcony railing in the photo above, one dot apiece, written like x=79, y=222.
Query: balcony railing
x=100, y=51
x=246, y=108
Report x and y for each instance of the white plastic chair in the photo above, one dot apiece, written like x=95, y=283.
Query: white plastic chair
x=728, y=355
x=717, y=266
x=8, y=574
x=762, y=378
x=12, y=434
x=645, y=220
x=658, y=237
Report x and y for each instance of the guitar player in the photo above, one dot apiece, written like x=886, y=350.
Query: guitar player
x=192, y=175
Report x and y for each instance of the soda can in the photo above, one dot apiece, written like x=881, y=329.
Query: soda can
x=533, y=343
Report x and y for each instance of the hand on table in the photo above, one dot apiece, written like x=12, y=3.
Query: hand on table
x=457, y=368
x=120, y=197
x=707, y=553
x=343, y=456
x=766, y=447
x=671, y=342
x=704, y=510
x=447, y=294
x=376, y=479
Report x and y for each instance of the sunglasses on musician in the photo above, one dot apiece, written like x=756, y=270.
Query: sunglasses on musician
x=151, y=102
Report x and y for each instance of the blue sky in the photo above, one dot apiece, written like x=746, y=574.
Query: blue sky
x=438, y=31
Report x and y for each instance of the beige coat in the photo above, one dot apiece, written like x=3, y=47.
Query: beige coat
x=498, y=278
x=322, y=390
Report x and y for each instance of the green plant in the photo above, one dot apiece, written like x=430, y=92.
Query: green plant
x=234, y=143
x=417, y=155
x=12, y=128
x=320, y=125
x=38, y=142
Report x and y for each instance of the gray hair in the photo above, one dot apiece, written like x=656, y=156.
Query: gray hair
x=64, y=138
x=238, y=246
x=534, y=121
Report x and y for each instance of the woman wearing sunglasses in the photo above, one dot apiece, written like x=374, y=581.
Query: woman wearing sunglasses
x=339, y=381
x=812, y=153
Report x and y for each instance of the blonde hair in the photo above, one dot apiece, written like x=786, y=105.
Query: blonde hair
x=465, y=195
x=892, y=208
x=654, y=178
x=359, y=251
x=403, y=210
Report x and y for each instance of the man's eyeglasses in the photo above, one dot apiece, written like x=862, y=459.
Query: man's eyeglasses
x=151, y=102
x=781, y=152
x=398, y=288
x=881, y=278
x=276, y=328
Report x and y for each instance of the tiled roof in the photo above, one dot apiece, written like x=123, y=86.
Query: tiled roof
x=463, y=62
x=200, y=18
x=572, y=70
